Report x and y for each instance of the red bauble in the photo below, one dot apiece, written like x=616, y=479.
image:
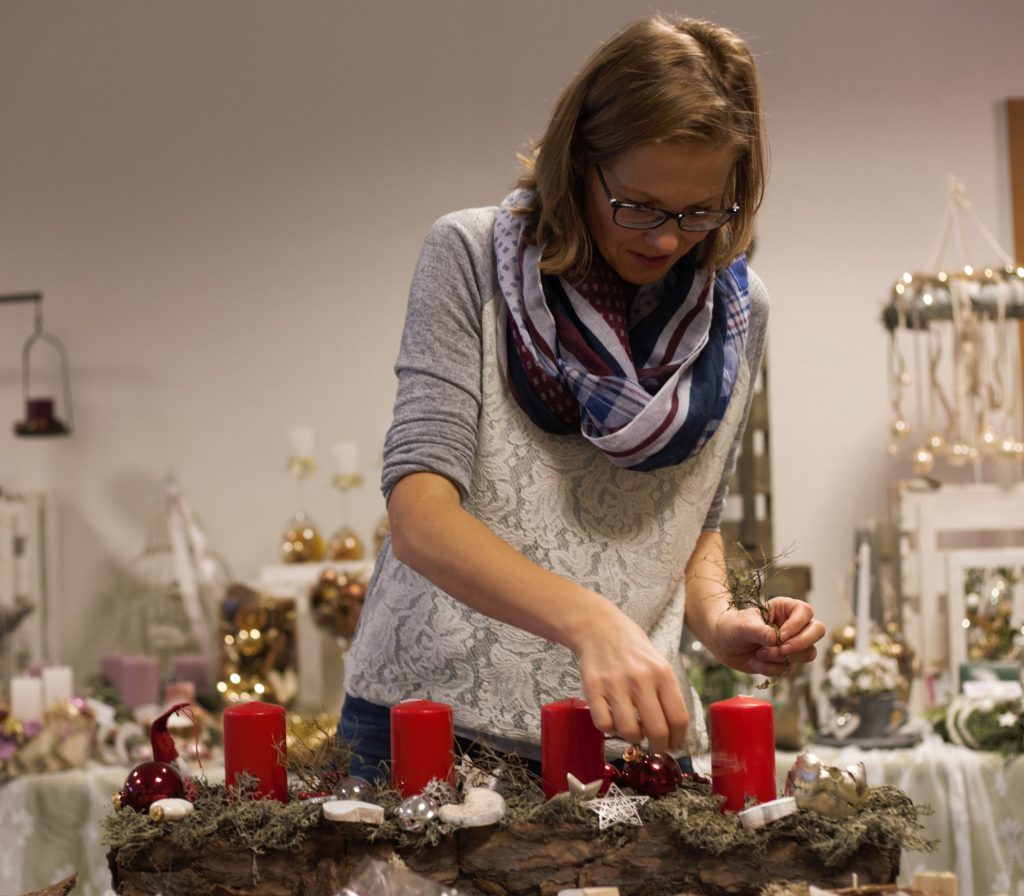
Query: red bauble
x=611, y=776
x=655, y=774
x=149, y=782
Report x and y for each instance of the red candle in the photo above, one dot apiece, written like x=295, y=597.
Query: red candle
x=569, y=743
x=254, y=742
x=742, y=751
x=422, y=745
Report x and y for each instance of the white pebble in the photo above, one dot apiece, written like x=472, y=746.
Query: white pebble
x=480, y=808
x=591, y=891
x=353, y=811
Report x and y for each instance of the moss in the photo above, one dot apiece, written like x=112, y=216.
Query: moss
x=888, y=820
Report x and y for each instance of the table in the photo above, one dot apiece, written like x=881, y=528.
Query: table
x=978, y=803
x=50, y=824
x=50, y=827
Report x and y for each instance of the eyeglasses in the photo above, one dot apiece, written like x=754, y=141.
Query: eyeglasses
x=642, y=217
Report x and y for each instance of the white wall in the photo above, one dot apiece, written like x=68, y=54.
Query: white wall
x=223, y=201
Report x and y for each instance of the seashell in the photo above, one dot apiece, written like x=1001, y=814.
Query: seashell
x=353, y=811
x=481, y=807
x=170, y=809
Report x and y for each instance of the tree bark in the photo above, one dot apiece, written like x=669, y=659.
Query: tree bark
x=525, y=860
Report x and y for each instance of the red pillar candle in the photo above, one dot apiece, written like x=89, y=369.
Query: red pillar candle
x=422, y=745
x=569, y=742
x=742, y=751
x=254, y=742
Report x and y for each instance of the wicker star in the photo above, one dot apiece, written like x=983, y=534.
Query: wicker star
x=617, y=808
x=1007, y=720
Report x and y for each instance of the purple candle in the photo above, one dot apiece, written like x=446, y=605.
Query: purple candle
x=110, y=668
x=140, y=681
x=194, y=667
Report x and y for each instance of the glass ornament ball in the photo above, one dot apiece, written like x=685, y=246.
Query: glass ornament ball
x=988, y=440
x=352, y=787
x=845, y=635
x=937, y=445
x=924, y=461
x=652, y=774
x=959, y=454
x=416, y=812
x=147, y=783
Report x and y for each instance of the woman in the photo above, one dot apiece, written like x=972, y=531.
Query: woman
x=573, y=381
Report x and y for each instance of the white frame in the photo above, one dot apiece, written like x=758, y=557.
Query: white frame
x=957, y=564
x=923, y=515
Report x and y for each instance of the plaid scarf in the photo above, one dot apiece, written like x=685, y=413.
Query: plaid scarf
x=645, y=374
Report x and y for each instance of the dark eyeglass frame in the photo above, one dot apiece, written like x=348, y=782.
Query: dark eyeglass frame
x=700, y=221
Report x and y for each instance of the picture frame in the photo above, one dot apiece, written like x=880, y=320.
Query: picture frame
x=958, y=564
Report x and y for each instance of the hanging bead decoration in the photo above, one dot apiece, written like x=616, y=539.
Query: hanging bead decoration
x=959, y=318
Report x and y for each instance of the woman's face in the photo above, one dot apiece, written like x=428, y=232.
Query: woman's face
x=675, y=177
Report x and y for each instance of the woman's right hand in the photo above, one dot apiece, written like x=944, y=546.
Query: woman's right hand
x=630, y=687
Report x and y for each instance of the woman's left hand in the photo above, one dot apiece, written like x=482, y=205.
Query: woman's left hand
x=743, y=640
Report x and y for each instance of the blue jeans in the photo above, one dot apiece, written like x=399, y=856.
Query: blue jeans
x=367, y=728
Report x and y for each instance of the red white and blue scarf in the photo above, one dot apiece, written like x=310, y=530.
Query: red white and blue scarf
x=645, y=377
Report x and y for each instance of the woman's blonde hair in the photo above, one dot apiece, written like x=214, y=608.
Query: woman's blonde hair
x=656, y=81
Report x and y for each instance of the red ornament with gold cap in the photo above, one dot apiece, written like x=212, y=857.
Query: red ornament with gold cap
x=157, y=779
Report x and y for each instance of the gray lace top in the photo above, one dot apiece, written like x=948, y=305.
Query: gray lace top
x=557, y=499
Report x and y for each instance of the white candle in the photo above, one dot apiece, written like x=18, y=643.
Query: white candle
x=58, y=685
x=301, y=441
x=863, y=609
x=26, y=698
x=346, y=458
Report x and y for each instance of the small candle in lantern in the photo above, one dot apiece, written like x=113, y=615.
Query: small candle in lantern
x=58, y=685
x=179, y=692
x=742, y=751
x=26, y=698
x=346, y=458
x=570, y=743
x=863, y=598
x=301, y=442
x=422, y=745
x=254, y=743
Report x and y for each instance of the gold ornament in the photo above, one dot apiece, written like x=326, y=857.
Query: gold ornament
x=337, y=601
x=345, y=545
x=827, y=790
x=302, y=541
x=381, y=533
x=258, y=647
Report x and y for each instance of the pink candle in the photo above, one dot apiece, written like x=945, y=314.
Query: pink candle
x=422, y=745
x=254, y=743
x=742, y=751
x=179, y=692
x=569, y=743
x=140, y=681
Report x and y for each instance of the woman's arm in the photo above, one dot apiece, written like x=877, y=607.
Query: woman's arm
x=741, y=638
x=631, y=688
